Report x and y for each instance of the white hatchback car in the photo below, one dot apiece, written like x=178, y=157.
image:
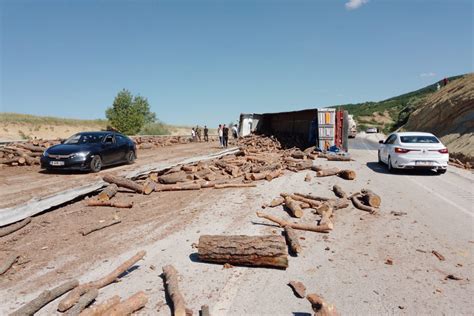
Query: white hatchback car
x=410, y=150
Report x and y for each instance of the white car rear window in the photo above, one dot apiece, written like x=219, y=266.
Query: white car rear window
x=419, y=139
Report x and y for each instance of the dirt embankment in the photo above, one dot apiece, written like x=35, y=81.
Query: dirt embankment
x=449, y=114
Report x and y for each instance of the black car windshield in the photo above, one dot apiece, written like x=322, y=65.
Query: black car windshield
x=419, y=139
x=84, y=138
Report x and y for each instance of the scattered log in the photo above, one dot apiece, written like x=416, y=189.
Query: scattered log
x=293, y=207
x=128, y=306
x=170, y=276
x=235, y=185
x=6, y=230
x=309, y=227
x=205, y=310
x=347, y=174
x=74, y=296
x=153, y=176
x=292, y=240
x=305, y=205
x=273, y=174
x=326, y=217
x=258, y=176
x=277, y=201
x=7, y=263
x=327, y=172
x=298, y=154
x=338, y=158
x=337, y=204
x=83, y=302
x=370, y=198
x=437, y=254
x=358, y=204
x=298, y=288
x=99, y=310
x=312, y=203
x=307, y=178
x=149, y=186
x=271, y=167
x=44, y=298
x=317, y=168
x=100, y=226
x=124, y=183
x=31, y=147
x=92, y=202
x=303, y=165
x=320, y=307
x=339, y=192
x=178, y=187
x=107, y=193
x=211, y=184
x=313, y=197
x=175, y=177
x=258, y=251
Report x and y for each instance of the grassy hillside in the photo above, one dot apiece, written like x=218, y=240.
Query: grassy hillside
x=390, y=114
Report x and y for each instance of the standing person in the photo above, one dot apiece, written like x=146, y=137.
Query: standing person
x=193, y=135
x=438, y=87
x=235, y=131
x=221, y=143
x=445, y=82
x=198, y=133
x=225, y=136
x=206, y=133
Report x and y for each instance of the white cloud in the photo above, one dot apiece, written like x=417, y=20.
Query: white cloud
x=355, y=4
x=428, y=74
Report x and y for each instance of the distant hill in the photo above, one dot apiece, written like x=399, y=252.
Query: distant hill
x=390, y=114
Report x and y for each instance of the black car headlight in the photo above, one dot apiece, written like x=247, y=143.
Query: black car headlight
x=81, y=155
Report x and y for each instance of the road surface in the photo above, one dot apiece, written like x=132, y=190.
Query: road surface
x=349, y=267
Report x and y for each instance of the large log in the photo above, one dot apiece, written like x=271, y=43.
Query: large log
x=170, y=276
x=92, y=202
x=311, y=202
x=370, y=198
x=74, y=296
x=99, y=309
x=124, y=183
x=292, y=240
x=338, y=158
x=128, y=306
x=107, y=193
x=83, y=302
x=293, y=207
x=6, y=230
x=271, y=167
x=235, y=185
x=305, y=164
x=358, y=204
x=298, y=154
x=339, y=192
x=178, y=187
x=44, y=298
x=277, y=201
x=31, y=147
x=327, y=172
x=347, y=174
x=175, y=177
x=6, y=264
x=274, y=174
x=320, y=307
x=258, y=251
x=309, y=227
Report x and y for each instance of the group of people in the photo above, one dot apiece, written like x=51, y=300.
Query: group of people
x=196, y=134
x=222, y=130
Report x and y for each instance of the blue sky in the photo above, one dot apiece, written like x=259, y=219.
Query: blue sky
x=205, y=62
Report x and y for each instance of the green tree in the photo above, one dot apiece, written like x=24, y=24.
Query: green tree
x=129, y=114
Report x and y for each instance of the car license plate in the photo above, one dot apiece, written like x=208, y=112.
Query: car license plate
x=423, y=163
x=56, y=163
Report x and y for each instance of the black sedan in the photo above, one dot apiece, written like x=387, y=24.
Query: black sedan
x=89, y=151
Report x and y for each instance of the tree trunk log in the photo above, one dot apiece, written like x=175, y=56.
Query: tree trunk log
x=347, y=174
x=312, y=197
x=31, y=147
x=74, y=296
x=317, y=168
x=274, y=174
x=235, y=185
x=320, y=307
x=124, y=183
x=305, y=164
x=339, y=192
x=358, y=204
x=100, y=309
x=293, y=207
x=83, y=302
x=128, y=306
x=7, y=263
x=292, y=240
x=258, y=176
x=370, y=198
x=271, y=167
x=107, y=193
x=172, y=287
x=100, y=226
x=175, y=177
x=308, y=227
x=327, y=172
x=178, y=187
x=14, y=227
x=338, y=158
x=92, y=202
x=277, y=201
x=298, y=154
x=258, y=251
x=44, y=298
x=312, y=203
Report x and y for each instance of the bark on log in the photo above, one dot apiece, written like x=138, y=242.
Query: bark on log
x=124, y=183
x=317, y=168
x=327, y=172
x=7, y=263
x=339, y=192
x=258, y=176
x=170, y=276
x=31, y=147
x=312, y=197
x=358, y=204
x=298, y=288
x=83, y=302
x=312, y=203
x=370, y=198
x=338, y=158
x=347, y=174
x=100, y=226
x=293, y=207
x=258, y=251
x=149, y=186
x=298, y=154
x=292, y=240
x=178, y=187
x=44, y=298
x=108, y=192
x=277, y=201
x=92, y=202
x=175, y=177
x=74, y=296
x=99, y=310
x=128, y=306
x=303, y=165
x=235, y=185
x=320, y=307
x=271, y=167
x=211, y=184
x=274, y=174
x=308, y=227
x=14, y=227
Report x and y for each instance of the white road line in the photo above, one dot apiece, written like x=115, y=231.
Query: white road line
x=462, y=209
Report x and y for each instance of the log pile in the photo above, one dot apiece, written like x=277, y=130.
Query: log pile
x=150, y=142
x=455, y=162
x=25, y=153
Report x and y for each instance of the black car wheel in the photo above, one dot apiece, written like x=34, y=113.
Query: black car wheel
x=130, y=157
x=391, y=169
x=96, y=164
x=441, y=171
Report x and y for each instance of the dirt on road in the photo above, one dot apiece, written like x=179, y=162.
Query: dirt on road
x=349, y=266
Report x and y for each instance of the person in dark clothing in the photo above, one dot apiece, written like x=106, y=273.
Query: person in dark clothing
x=225, y=136
x=445, y=82
x=206, y=134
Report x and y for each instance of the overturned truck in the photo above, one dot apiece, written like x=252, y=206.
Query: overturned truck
x=323, y=128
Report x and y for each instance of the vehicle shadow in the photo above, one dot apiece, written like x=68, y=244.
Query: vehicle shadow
x=381, y=168
x=70, y=172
